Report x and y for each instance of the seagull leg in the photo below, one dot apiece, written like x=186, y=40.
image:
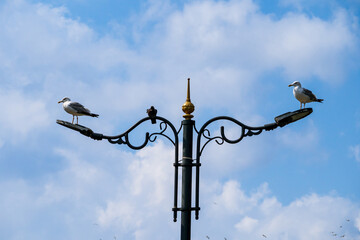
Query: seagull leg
x=73, y=120
x=300, y=105
x=77, y=120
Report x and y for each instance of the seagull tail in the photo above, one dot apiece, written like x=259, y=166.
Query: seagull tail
x=94, y=115
x=320, y=100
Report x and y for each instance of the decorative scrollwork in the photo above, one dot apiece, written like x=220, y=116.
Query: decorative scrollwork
x=161, y=133
x=124, y=137
x=207, y=135
x=204, y=132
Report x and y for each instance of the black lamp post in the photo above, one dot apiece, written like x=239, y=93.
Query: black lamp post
x=187, y=161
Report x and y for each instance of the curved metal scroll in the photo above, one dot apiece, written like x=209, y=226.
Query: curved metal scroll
x=246, y=131
x=124, y=137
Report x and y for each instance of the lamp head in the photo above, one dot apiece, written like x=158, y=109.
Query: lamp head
x=291, y=117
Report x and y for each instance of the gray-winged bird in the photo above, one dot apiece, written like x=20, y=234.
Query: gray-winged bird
x=303, y=95
x=76, y=109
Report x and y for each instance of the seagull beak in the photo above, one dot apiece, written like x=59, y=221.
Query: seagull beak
x=60, y=101
x=290, y=85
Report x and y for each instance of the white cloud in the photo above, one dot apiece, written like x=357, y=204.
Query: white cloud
x=247, y=224
x=355, y=152
x=221, y=45
x=100, y=192
x=248, y=216
x=21, y=115
x=130, y=196
x=236, y=34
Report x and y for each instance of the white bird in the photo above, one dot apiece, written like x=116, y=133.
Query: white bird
x=303, y=95
x=76, y=109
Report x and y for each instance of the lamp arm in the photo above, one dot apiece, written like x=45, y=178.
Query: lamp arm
x=220, y=139
x=124, y=137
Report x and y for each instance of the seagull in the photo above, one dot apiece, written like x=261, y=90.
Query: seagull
x=152, y=114
x=303, y=95
x=264, y=236
x=76, y=109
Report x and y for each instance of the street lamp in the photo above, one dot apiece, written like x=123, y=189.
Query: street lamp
x=291, y=117
x=187, y=161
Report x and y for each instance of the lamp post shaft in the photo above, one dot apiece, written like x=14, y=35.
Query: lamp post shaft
x=187, y=161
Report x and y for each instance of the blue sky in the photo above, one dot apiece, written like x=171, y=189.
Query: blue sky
x=120, y=57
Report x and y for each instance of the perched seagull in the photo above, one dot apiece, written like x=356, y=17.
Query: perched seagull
x=303, y=95
x=76, y=109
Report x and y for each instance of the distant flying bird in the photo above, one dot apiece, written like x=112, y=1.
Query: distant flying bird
x=152, y=114
x=348, y=220
x=76, y=109
x=303, y=95
x=342, y=236
x=264, y=236
x=207, y=237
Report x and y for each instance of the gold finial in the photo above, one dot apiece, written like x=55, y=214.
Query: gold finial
x=188, y=107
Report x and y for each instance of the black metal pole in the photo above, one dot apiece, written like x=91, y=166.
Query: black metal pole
x=187, y=161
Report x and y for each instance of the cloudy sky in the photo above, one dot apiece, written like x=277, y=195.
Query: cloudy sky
x=119, y=57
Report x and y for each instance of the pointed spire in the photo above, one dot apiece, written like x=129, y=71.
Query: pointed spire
x=188, y=91
x=188, y=107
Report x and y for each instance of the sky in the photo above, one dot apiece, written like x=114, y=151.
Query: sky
x=120, y=57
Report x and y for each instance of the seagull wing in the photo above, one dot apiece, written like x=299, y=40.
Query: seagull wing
x=79, y=108
x=310, y=94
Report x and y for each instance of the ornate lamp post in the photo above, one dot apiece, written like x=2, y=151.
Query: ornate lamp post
x=187, y=161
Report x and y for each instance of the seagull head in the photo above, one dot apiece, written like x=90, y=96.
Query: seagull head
x=65, y=99
x=295, y=84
